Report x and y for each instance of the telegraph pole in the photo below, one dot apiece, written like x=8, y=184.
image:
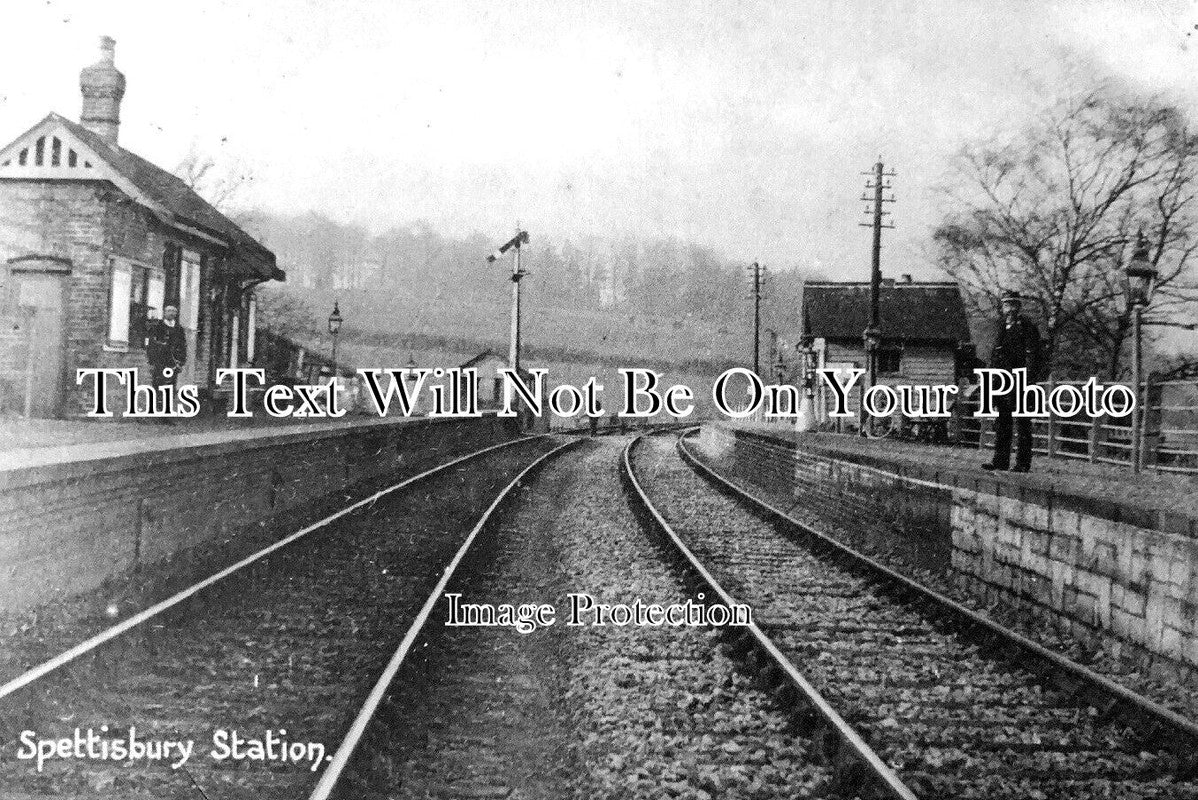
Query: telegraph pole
x=758, y=274
x=872, y=335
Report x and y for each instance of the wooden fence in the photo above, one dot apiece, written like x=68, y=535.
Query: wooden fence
x=1169, y=442
x=1170, y=431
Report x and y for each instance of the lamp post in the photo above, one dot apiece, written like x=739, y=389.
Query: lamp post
x=806, y=419
x=1140, y=275
x=410, y=376
x=335, y=328
x=807, y=351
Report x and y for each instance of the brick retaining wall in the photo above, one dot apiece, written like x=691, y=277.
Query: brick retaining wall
x=1116, y=576
x=67, y=526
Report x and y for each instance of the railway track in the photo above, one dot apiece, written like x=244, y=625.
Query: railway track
x=906, y=684
x=262, y=665
x=589, y=712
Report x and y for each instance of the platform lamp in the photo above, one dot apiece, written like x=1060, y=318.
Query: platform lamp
x=1141, y=276
x=808, y=350
x=806, y=420
x=335, y=328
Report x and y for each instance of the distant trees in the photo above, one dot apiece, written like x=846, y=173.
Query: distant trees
x=283, y=312
x=1053, y=212
x=661, y=277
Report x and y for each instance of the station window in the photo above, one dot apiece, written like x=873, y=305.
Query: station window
x=120, y=286
x=189, y=290
x=146, y=299
x=135, y=294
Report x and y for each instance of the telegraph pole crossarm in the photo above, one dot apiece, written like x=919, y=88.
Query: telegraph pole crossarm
x=872, y=335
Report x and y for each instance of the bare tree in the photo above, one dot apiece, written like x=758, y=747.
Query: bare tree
x=219, y=184
x=1054, y=211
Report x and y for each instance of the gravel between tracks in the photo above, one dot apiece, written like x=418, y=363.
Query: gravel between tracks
x=586, y=712
x=957, y=724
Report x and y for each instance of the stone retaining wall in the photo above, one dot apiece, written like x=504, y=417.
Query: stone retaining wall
x=67, y=526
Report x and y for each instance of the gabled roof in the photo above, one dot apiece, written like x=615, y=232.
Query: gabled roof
x=914, y=312
x=165, y=194
x=481, y=357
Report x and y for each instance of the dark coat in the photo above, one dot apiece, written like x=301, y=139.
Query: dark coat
x=1018, y=346
x=165, y=345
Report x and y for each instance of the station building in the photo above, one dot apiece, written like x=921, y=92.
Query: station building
x=925, y=330
x=95, y=240
x=490, y=384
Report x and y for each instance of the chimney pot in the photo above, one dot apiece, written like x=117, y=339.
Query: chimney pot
x=102, y=86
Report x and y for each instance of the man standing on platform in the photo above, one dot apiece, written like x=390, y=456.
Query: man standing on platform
x=166, y=349
x=1017, y=346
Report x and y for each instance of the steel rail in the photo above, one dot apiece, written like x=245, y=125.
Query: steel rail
x=853, y=752
x=336, y=768
x=125, y=625
x=1177, y=734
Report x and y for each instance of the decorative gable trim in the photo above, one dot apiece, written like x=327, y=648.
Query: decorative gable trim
x=49, y=151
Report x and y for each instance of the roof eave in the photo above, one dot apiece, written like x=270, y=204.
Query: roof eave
x=858, y=340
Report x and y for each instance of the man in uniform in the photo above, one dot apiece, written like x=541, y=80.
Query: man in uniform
x=1017, y=345
x=166, y=348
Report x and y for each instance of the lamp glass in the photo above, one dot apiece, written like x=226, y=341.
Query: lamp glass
x=1140, y=283
x=1140, y=275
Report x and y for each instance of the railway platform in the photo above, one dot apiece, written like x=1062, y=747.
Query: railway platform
x=112, y=500
x=1094, y=482
x=18, y=434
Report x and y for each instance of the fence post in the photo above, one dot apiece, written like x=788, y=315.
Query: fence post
x=1147, y=442
x=954, y=422
x=1050, y=443
x=1095, y=429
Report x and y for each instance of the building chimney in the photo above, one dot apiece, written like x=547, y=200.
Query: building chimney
x=102, y=86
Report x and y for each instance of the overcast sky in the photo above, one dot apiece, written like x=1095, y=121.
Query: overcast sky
x=740, y=125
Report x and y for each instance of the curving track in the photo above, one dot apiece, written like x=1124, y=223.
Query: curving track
x=292, y=639
x=895, y=693
x=949, y=710
x=584, y=712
